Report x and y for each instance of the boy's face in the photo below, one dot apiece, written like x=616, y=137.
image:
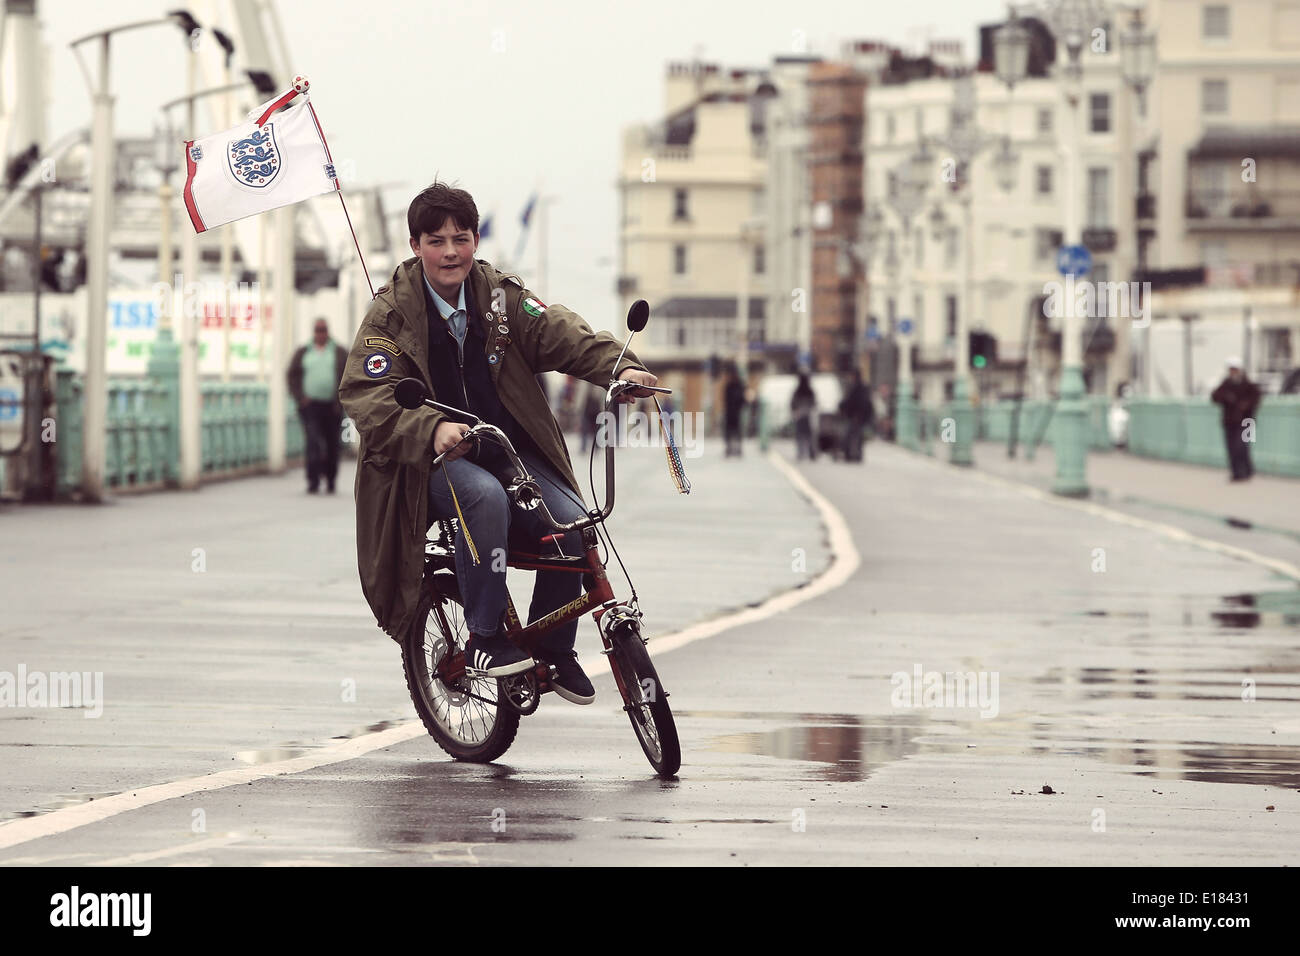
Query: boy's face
x=447, y=255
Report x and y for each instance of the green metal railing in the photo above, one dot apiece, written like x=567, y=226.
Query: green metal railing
x=141, y=444
x=1191, y=431
x=1186, y=430
x=1038, y=423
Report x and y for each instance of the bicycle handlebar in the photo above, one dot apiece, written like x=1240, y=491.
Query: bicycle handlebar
x=523, y=489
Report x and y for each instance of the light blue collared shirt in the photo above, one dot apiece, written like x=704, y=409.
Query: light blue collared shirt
x=457, y=318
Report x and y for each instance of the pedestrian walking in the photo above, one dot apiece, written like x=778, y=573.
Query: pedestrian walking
x=1239, y=397
x=589, y=419
x=733, y=403
x=857, y=412
x=803, y=407
x=314, y=376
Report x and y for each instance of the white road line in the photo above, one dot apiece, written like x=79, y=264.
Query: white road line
x=196, y=847
x=69, y=818
x=844, y=561
x=1285, y=568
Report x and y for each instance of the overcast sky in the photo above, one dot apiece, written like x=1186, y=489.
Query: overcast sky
x=407, y=88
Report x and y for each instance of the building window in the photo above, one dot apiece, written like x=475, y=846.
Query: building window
x=679, y=259
x=1045, y=120
x=760, y=260
x=1276, y=350
x=1043, y=180
x=950, y=317
x=1099, y=112
x=1214, y=96
x=1099, y=198
x=1046, y=242
x=679, y=205
x=891, y=310
x=1214, y=21
x=1100, y=274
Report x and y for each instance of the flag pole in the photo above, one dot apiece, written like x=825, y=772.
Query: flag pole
x=356, y=243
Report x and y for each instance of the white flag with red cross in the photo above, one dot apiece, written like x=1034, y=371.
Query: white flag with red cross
x=275, y=160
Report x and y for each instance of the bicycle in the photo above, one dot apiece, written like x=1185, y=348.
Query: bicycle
x=475, y=719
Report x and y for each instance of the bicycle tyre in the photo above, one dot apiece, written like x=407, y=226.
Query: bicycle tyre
x=652, y=719
x=439, y=624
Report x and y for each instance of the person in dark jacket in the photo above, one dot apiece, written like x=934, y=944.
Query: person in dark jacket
x=733, y=403
x=314, y=376
x=1239, y=397
x=803, y=407
x=857, y=410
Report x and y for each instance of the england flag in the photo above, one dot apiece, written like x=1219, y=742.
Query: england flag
x=258, y=166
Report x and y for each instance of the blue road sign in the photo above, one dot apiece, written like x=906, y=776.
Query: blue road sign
x=1073, y=260
x=10, y=404
x=905, y=326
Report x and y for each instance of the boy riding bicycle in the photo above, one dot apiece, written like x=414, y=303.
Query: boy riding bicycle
x=477, y=339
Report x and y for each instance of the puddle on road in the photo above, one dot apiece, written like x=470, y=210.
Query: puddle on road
x=1228, y=611
x=849, y=748
x=296, y=748
x=846, y=747
x=1166, y=683
x=58, y=801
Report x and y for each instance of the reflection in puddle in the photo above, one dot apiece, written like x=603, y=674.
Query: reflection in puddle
x=270, y=755
x=1139, y=683
x=1230, y=611
x=58, y=802
x=848, y=747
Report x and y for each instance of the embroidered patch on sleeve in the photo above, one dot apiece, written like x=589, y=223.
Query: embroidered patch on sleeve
x=533, y=306
x=379, y=342
x=376, y=365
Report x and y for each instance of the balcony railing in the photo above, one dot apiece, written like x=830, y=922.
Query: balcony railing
x=1146, y=206
x=1099, y=238
x=1247, y=204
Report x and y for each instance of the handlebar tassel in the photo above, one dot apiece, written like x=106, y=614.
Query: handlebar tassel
x=675, y=468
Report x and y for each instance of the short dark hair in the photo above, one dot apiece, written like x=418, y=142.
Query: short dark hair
x=433, y=206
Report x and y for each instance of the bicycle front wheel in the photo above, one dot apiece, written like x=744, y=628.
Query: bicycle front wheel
x=469, y=718
x=645, y=701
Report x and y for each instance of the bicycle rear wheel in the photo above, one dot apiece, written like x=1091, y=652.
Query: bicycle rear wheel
x=645, y=701
x=469, y=718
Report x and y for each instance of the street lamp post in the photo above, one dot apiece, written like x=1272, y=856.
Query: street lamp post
x=964, y=142
x=908, y=183
x=1071, y=22
x=95, y=411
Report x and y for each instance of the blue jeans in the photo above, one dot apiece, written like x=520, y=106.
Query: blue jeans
x=490, y=514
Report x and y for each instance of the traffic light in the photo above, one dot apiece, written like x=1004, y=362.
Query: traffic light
x=983, y=349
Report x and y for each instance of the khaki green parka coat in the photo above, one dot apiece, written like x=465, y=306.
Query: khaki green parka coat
x=396, y=444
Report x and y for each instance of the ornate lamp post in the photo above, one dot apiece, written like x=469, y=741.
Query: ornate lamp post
x=1071, y=23
x=964, y=142
x=907, y=185
x=1137, y=52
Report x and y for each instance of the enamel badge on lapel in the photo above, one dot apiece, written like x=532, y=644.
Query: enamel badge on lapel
x=502, y=338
